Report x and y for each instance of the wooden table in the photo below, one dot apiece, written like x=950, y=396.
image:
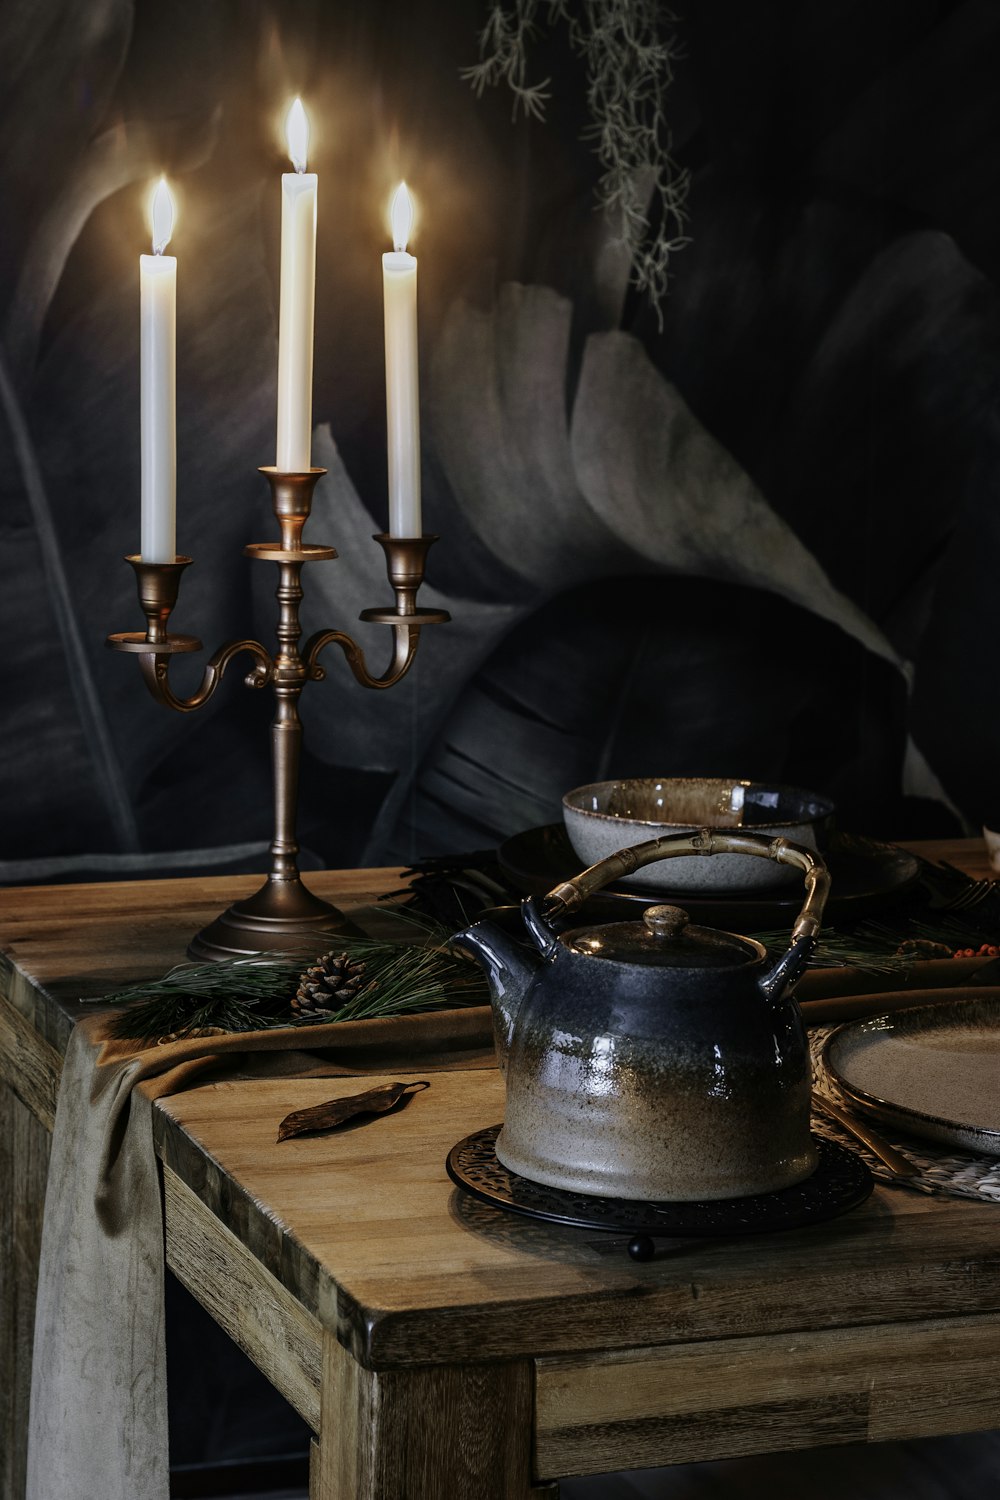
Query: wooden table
x=438, y=1348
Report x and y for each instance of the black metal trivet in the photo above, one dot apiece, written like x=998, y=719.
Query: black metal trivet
x=840, y=1182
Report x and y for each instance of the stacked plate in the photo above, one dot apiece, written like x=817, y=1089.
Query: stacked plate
x=931, y=1071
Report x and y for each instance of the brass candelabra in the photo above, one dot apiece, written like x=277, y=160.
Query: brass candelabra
x=284, y=912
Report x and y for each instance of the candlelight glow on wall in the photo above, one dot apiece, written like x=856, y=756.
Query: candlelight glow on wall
x=297, y=299
x=402, y=391
x=158, y=384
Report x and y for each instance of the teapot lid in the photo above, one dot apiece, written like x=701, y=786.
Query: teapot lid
x=665, y=938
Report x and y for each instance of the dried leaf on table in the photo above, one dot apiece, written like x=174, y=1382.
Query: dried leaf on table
x=338, y=1111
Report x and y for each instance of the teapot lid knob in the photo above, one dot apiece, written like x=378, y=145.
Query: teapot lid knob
x=665, y=921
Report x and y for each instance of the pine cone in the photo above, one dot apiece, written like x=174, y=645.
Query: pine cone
x=327, y=986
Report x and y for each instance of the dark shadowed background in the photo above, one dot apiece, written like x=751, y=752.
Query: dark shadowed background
x=759, y=540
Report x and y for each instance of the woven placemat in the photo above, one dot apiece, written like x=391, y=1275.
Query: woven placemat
x=942, y=1169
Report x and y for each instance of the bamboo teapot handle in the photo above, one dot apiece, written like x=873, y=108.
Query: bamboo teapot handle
x=571, y=894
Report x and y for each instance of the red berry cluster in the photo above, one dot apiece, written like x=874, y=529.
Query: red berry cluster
x=985, y=950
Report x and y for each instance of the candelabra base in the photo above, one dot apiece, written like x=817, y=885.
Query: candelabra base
x=282, y=917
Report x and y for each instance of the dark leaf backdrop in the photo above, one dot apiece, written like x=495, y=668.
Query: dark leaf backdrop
x=758, y=540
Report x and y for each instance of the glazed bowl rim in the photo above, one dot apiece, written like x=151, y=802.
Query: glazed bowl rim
x=826, y=807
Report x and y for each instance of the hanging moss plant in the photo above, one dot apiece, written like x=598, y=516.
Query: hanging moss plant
x=628, y=51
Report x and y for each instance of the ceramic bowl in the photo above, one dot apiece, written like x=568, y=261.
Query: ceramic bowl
x=610, y=815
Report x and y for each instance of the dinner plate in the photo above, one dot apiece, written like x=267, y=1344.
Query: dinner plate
x=933, y=1070
x=865, y=876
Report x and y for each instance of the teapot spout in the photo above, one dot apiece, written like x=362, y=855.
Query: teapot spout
x=510, y=967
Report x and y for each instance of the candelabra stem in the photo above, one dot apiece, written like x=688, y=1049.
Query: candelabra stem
x=286, y=749
x=284, y=914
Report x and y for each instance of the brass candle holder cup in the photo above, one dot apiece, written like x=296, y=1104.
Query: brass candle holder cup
x=284, y=913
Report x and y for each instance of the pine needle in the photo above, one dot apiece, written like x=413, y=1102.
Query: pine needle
x=255, y=994
x=870, y=950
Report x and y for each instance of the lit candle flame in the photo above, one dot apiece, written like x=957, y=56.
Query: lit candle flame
x=297, y=135
x=161, y=214
x=401, y=217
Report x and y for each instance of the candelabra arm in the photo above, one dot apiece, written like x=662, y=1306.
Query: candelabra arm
x=155, y=667
x=158, y=584
x=405, y=557
x=405, y=638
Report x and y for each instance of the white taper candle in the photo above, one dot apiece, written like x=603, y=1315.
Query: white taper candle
x=158, y=386
x=298, y=298
x=402, y=388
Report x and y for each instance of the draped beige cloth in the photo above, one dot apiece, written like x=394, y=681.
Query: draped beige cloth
x=98, y=1418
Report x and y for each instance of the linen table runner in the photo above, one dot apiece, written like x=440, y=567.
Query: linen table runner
x=98, y=1417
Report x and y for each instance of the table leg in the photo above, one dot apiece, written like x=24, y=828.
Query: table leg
x=24, y=1160
x=461, y=1432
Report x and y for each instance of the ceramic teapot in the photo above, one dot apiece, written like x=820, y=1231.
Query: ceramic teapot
x=652, y=1060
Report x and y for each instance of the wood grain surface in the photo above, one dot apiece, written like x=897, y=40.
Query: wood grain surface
x=24, y=1157
x=259, y=1314
x=30, y=1066
x=425, y=1434
x=740, y=1396
x=410, y=1270
x=356, y=1248
x=968, y=855
x=63, y=942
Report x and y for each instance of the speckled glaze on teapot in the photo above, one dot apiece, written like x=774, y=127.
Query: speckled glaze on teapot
x=656, y=1059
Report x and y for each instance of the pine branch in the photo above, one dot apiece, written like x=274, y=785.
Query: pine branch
x=874, y=949
x=256, y=994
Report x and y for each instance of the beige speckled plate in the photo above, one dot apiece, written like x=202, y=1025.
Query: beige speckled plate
x=933, y=1070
